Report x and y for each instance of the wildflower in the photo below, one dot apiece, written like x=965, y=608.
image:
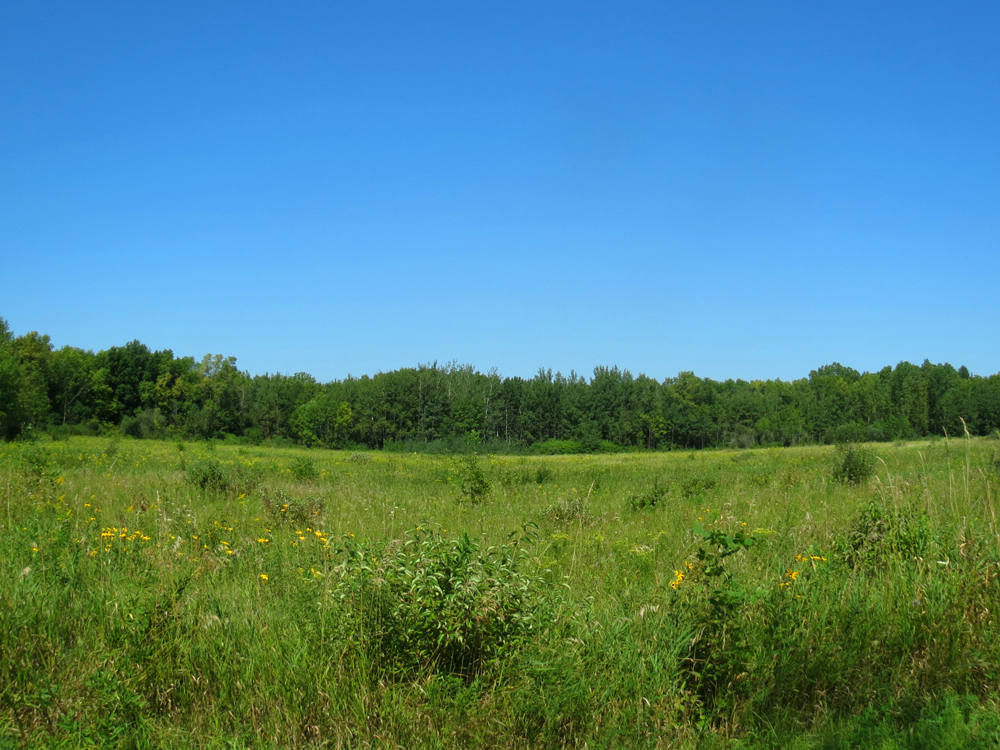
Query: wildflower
x=262, y=540
x=61, y=480
x=800, y=558
x=263, y=576
x=793, y=574
x=817, y=557
x=678, y=577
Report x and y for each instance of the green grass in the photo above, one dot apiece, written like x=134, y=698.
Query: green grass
x=154, y=594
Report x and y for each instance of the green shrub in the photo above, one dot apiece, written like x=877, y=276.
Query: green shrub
x=650, y=498
x=557, y=447
x=698, y=485
x=285, y=508
x=879, y=533
x=853, y=464
x=304, y=469
x=566, y=511
x=211, y=475
x=476, y=487
x=543, y=474
x=718, y=653
x=432, y=603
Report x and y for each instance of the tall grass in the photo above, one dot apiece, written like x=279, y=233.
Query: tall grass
x=161, y=595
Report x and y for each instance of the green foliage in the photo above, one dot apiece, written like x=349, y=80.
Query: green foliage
x=951, y=721
x=556, y=447
x=304, y=469
x=853, y=464
x=138, y=606
x=290, y=509
x=880, y=534
x=455, y=409
x=542, y=475
x=650, y=498
x=433, y=603
x=475, y=486
x=698, y=485
x=212, y=475
x=718, y=652
x=567, y=511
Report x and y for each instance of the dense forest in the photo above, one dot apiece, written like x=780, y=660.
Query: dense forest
x=144, y=393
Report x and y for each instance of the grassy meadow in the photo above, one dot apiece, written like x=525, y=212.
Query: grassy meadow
x=167, y=595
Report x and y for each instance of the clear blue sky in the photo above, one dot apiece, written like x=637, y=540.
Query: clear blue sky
x=743, y=189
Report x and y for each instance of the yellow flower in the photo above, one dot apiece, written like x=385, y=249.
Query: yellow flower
x=800, y=558
x=263, y=576
x=793, y=574
x=678, y=577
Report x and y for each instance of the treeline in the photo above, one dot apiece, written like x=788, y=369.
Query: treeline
x=144, y=393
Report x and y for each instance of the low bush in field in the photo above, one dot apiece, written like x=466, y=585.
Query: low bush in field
x=212, y=475
x=650, y=498
x=853, y=464
x=880, y=533
x=557, y=447
x=304, y=469
x=476, y=487
x=433, y=603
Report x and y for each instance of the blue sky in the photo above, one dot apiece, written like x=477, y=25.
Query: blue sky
x=741, y=189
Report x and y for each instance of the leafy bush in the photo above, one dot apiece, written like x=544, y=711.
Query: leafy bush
x=557, y=447
x=543, y=474
x=283, y=507
x=698, y=485
x=717, y=653
x=304, y=469
x=434, y=603
x=853, y=464
x=475, y=486
x=879, y=533
x=211, y=475
x=565, y=511
x=650, y=498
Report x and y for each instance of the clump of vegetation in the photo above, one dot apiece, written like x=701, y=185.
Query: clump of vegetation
x=542, y=475
x=718, y=651
x=475, y=485
x=698, y=485
x=650, y=498
x=853, y=464
x=880, y=533
x=556, y=447
x=212, y=475
x=304, y=469
x=566, y=511
x=286, y=508
x=434, y=603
